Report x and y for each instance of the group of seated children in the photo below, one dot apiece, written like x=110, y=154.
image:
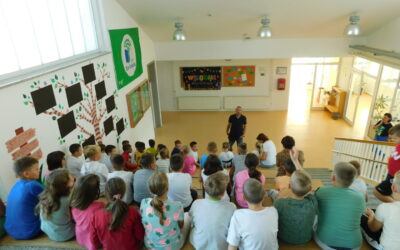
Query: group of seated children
x=170, y=211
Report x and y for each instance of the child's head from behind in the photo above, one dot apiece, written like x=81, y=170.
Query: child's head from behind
x=85, y=191
x=118, y=162
x=212, y=148
x=164, y=153
x=288, y=142
x=92, y=152
x=300, y=182
x=289, y=167
x=58, y=184
x=344, y=174
x=55, y=160
x=140, y=146
x=253, y=191
x=114, y=191
x=160, y=146
x=76, y=150
x=178, y=144
x=212, y=165
x=251, y=161
x=152, y=143
x=148, y=161
x=357, y=165
x=110, y=150
x=102, y=147
x=124, y=142
x=242, y=148
x=225, y=146
x=394, y=134
x=127, y=148
x=193, y=146
x=27, y=168
x=185, y=150
x=158, y=185
x=215, y=185
x=176, y=163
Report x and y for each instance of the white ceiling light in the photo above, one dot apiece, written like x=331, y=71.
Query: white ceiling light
x=353, y=29
x=179, y=34
x=265, y=30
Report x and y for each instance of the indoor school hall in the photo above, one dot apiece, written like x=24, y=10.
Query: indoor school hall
x=199, y=124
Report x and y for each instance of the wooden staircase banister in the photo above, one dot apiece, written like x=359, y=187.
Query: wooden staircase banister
x=367, y=141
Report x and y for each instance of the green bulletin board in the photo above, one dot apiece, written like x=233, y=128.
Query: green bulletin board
x=145, y=95
x=127, y=56
x=138, y=101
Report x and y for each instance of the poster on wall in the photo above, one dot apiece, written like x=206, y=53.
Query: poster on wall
x=138, y=101
x=201, y=78
x=125, y=45
x=239, y=76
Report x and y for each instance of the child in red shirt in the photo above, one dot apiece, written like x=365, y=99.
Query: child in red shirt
x=384, y=190
x=117, y=226
x=127, y=148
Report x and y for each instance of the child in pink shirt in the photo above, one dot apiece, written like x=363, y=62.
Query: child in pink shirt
x=189, y=163
x=83, y=204
x=251, y=162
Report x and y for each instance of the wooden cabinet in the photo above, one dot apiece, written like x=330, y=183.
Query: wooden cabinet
x=336, y=100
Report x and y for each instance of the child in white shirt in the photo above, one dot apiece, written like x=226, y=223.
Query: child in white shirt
x=210, y=217
x=180, y=183
x=359, y=184
x=163, y=162
x=93, y=166
x=118, y=163
x=194, y=151
x=212, y=166
x=226, y=156
x=257, y=226
x=109, y=151
x=74, y=162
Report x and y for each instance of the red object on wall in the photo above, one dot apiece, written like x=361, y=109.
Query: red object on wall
x=281, y=83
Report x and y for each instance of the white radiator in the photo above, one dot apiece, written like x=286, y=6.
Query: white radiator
x=199, y=103
x=247, y=102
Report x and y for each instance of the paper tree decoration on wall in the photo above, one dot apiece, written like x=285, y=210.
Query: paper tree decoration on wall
x=87, y=105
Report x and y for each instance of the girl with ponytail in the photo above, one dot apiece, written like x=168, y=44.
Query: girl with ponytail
x=163, y=219
x=117, y=226
x=251, y=162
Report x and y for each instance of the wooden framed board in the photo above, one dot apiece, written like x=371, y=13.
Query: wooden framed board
x=138, y=101
x=201, y=78
x=239, y=76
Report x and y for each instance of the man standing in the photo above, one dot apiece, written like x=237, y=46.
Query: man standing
x=236, y=127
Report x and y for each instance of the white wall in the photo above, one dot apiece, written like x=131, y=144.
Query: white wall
x=255, y=49
x=16, y=114
x=387, y=37
x=345, y=69
x=168, y=74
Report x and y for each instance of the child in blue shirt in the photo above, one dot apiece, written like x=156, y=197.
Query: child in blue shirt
x=21, y=221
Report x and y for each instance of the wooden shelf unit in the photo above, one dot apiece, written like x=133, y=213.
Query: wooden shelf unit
x=336, y=101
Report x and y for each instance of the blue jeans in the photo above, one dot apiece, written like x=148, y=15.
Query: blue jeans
x=233, y=140
x=381, y=138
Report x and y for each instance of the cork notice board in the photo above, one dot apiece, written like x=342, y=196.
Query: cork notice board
x=239, y=76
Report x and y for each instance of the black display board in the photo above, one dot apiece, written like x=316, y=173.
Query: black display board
x=74, y=94
x=66, y=124
x=89, y=141
x=201, y=78
x=100, y=90
x=120, y=126
x=110, y=104
x=43, y=99
x=108, y=125
x=88, y=73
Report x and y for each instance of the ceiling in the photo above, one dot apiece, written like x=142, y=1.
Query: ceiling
x=231, y=19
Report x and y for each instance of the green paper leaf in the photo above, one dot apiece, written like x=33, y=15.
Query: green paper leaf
x=26, y=103
x=54, y=118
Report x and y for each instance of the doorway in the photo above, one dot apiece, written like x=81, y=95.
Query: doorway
x=151, y=71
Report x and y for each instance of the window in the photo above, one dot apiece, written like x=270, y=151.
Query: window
x=312, y=60
x=36, y=33
x=366, y=66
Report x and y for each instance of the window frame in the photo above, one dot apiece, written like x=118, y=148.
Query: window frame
x=42, y=69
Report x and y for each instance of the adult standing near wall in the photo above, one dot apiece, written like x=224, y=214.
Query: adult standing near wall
x=236, y=127
x=268, y=154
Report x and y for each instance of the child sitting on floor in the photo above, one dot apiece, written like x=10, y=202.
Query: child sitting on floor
x=256, y=227
x=159, y=148
x=127, y=148
x=140, y=178
x=282, y=183
x=83, y=205
x=258, y=149
x=180, y=183
x=93, y=166
x=177, y=147
x=340, y=209
x=297, y=213
x=140, y=148
x=163, y=162
x=75, y=161
x=54, y=161
x=117, y=226
x=189, y=164
x=109, y=151
x=213, y=165
x=152, y=148
x=118, y=164
x=251, y=162
x=385, y=221
x=209, y=230
x=194, y=151
x=359, y=184
x=288, y=144
x=163, y=219
x=226, y=156
x=21, y=221
x=212, y=150
x=54, y=208
x=238, y=161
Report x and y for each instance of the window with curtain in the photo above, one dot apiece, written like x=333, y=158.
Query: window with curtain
x=39, y=32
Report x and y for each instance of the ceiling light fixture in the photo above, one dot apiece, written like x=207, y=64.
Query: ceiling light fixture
x=179, y=34
x=265, y=30
x=353, y=29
